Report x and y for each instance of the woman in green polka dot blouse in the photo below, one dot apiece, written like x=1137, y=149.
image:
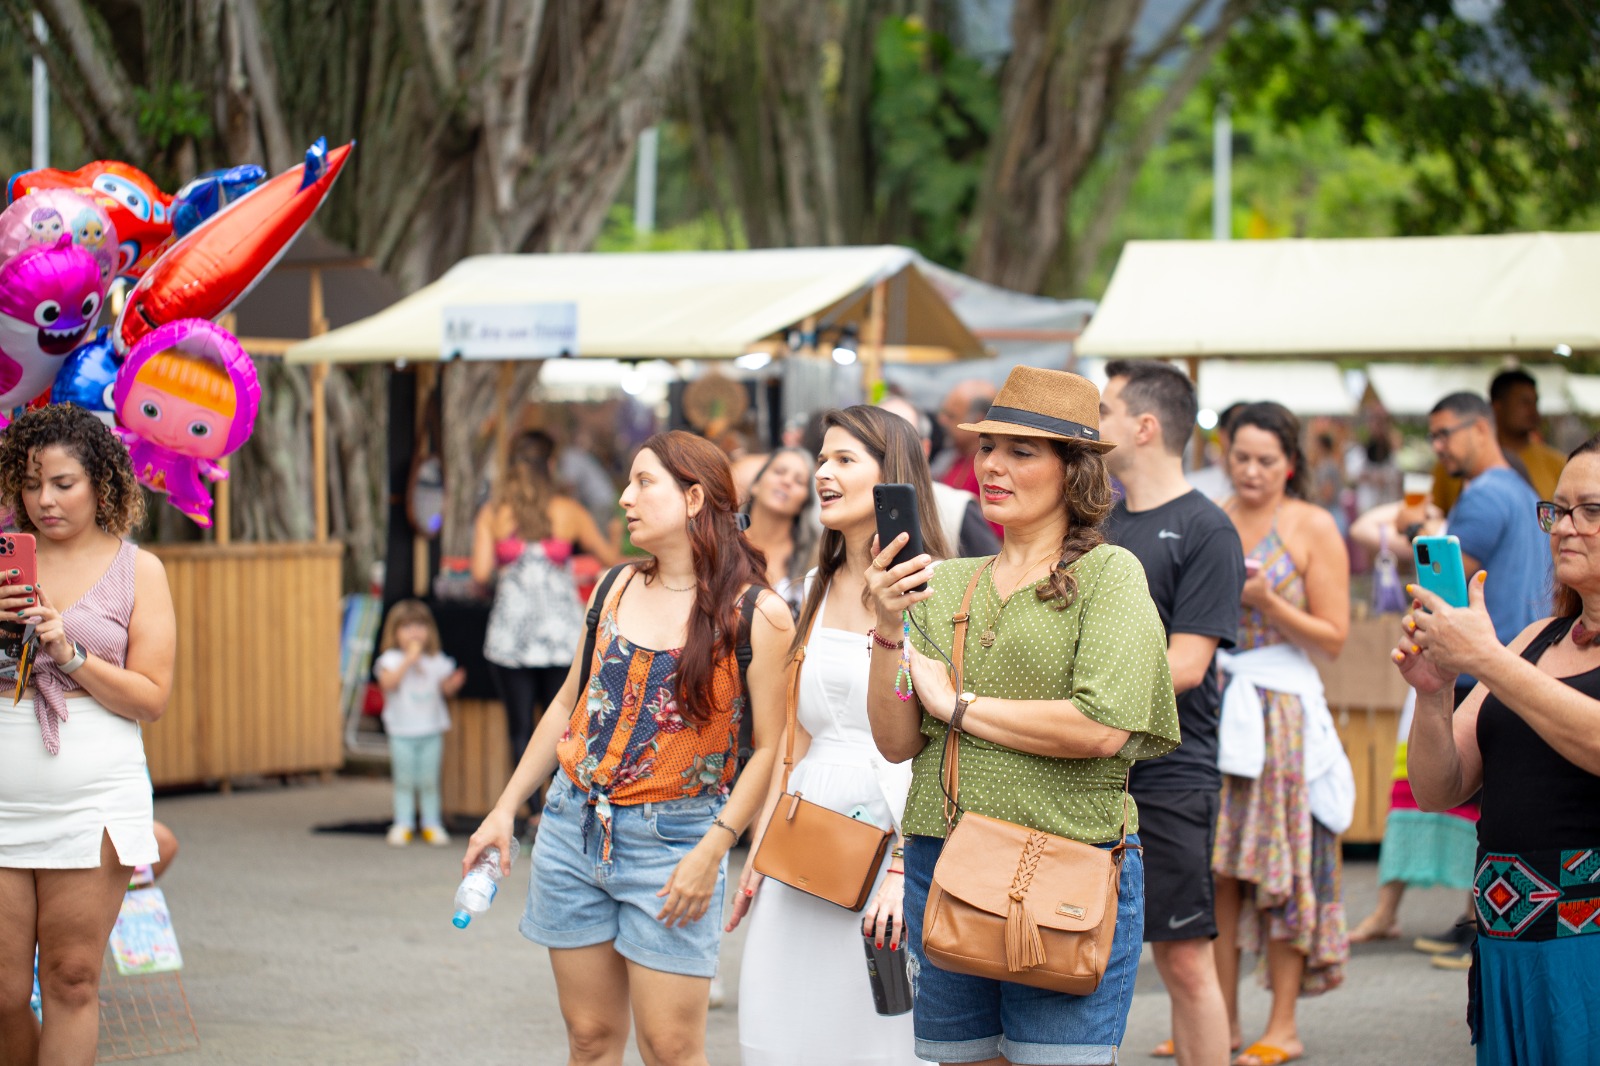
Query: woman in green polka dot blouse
x=1066, y=684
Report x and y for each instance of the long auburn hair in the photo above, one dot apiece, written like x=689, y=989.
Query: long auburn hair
x=894, y=444
x=528, y=486
x=724, y=563
x=1568, y=604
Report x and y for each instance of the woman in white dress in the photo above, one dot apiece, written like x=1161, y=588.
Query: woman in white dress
x=804, y=994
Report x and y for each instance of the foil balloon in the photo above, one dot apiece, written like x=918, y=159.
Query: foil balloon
x=87, y=376
x=139, y=210
x=49, y=300
x=42, y=218
x=186, y=396
x=210, y=193
x=206, y=272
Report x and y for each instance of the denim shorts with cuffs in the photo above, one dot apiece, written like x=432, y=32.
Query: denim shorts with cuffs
x=576, y=901
x=960, y=1018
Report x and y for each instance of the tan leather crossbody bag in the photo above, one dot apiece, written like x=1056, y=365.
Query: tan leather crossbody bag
x=1012, y=903
x=808, y=846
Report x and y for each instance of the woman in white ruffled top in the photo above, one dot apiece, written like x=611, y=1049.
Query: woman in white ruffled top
x=804, y=993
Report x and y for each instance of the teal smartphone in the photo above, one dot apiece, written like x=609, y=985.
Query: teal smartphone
x=1439, y=568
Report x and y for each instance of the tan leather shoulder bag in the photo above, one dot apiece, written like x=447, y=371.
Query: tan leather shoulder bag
x=1012, y=903
x=810, y=847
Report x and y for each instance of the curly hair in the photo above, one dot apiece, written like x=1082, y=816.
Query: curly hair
x=1087, y=499
x=120, y=505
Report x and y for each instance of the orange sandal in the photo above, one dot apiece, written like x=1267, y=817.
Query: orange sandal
x=1264, y=1055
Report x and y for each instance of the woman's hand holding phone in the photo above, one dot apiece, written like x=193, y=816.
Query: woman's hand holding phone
x=1450, y=639
x=895, y=588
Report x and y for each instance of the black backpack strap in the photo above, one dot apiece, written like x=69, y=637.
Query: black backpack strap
x=744, y=653
x=591, y=622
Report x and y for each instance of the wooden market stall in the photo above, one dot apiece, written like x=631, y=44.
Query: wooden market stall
x=677, y=306
x=1449, y=300
x=257, y=687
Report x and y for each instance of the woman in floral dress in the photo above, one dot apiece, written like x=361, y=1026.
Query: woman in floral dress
x=1276, y=862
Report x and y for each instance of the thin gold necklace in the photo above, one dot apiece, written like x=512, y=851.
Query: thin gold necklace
x=668, y=587
x=987, y=637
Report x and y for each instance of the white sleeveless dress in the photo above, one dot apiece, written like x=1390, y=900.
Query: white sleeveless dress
x=804, y=995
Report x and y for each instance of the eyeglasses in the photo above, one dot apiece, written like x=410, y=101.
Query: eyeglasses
x=1585, y=517
x=1439, y=436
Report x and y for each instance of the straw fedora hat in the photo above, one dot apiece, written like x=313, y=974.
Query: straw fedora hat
x=1052, y=404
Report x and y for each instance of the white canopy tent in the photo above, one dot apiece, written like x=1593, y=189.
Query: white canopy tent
x=1525, y=294
x=1411, y=389
x=1307, y=389
x=675, y=305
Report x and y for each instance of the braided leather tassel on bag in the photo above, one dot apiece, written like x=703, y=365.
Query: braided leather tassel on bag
x=1024, y=947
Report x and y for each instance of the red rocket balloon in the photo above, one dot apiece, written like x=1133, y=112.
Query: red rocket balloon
x=208, y=271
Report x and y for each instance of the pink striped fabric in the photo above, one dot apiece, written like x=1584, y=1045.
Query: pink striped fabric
x=98, y=621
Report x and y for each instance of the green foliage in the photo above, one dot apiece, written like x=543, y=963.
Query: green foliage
x=16, y=111
x=701, y=233
x=172, y=113
x=1501, y=117
x=933, y=110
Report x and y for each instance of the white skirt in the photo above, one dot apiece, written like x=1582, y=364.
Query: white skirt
x=804, y=993
x=54, y=808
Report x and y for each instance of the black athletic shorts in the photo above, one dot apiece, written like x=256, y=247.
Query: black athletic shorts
x=1177, y=828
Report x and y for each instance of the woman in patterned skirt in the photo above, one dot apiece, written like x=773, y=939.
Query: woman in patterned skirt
x=1529, y=736
x=1276, y=862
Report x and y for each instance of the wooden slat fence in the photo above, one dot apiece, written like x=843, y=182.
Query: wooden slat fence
x=257, y=684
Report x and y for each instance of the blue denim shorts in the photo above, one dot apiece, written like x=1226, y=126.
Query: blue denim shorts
x=959, y=1018
x=577, y=901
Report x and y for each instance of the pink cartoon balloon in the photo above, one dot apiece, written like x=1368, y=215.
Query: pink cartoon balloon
x=41, y=218
x=186, y=396
x=49, y=300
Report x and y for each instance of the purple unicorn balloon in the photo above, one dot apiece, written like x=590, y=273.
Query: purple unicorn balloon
x=49, y=300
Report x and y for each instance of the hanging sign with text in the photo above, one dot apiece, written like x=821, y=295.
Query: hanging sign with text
x=510, y=331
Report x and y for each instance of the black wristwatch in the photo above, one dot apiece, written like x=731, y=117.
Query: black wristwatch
x=1413, y=530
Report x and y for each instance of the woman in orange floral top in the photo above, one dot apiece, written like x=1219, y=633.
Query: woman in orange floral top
x=630, y=858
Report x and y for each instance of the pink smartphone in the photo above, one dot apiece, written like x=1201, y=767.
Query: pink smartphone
x=1252, y=567
x=18, y=551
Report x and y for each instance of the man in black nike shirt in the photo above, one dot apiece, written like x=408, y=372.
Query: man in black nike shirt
x=1194, y=565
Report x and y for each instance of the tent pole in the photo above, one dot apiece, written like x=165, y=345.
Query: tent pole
x=222, y=526
x=1198, y=459
x=877, y=307
x=319, y=418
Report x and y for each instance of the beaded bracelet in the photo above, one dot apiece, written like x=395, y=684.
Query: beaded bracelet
x=892, y=645
x=902, y=678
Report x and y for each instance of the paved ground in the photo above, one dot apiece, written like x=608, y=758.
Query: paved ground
x=335, y=949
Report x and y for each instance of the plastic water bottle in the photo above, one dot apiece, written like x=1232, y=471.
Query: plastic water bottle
x=478, y=888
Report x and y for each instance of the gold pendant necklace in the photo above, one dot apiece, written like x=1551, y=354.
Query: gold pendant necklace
x=988, y=637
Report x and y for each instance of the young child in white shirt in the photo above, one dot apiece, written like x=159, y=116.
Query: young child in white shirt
x=416, y=678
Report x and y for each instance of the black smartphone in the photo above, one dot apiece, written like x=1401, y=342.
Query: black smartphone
x=897, y=513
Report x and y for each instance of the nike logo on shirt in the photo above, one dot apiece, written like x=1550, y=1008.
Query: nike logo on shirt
x=1167, y=534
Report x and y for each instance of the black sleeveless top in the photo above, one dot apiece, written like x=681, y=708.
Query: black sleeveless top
x=1534, y=799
